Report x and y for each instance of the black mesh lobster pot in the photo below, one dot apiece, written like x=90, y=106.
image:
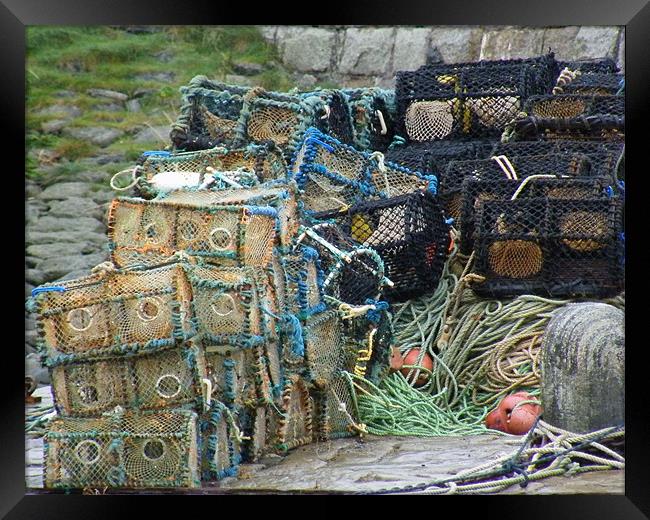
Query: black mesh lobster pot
x=476, y=191
x=607, y=155
x=448, y=102
x=547, y=247
x=451, y=182
x=411, y=236
x=592, y=128
x=574, y=105
x=433, y=156
x=208, y=116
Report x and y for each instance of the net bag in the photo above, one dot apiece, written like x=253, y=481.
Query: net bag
x=475, y=191
x=284, y=118
x=373, y=117
x=410, y=234
x=201, y=224
x=123, y=450
x=233, y=167
x=209, y=114
x=220, y=443
x=170, y=378
x=574, y=105
x=445, y=102
x=292, y=427
x=550, y=247
x=331, y=175
x=112, y=313
x=432, y=157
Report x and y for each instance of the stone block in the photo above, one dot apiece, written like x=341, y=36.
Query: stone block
x=308, y=49
x=367, y=51
x=511, y=42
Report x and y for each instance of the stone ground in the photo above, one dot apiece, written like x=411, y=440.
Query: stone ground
x=369, y=464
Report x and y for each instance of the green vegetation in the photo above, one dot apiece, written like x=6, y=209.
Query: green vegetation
x=64, y=62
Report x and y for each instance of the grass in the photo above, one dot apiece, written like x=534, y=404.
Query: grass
x=75, y=59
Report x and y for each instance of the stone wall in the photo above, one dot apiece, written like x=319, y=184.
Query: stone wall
x=362, y=55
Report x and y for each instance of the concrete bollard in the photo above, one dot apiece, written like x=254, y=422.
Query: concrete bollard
x=583, y=368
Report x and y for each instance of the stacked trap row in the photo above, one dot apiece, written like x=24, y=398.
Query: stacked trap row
x=214, y=113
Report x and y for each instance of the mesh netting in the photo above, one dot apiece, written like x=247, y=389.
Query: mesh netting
x=596, y=127
x=259, y=441
x=553, y=247
x=332, y=175
x=447, y=101
x=574, y=105
x=150, y=232
x=231, y=372
x=323, y=339
x=126, y=450
x=410, y=234
x=596, y=83
x=161, y=380
x=336, y=409
x=209, y=114
x=220, y=446
x=476, y=191
x=292, y=427
x=373, y=116
x=112, y=312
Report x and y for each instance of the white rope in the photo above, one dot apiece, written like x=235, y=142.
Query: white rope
x=528, y=179
x=380, y=116
x=133, y=182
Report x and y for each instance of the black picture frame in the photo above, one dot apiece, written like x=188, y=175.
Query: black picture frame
x=15, y=15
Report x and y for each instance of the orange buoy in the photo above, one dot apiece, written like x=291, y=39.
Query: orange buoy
x=496, y=420
x=519, y=417
x=412, y=359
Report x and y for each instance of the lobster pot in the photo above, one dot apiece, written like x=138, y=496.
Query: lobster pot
x=271, y=199
x=259, y=440
x=209, y=114
x=111, y=313
x=606, y=156
x=324, y=346
x=220, y=445
x=123, y=450
x=596, y=83
x=168, y=378
x=410, y=235
x=574, y=105
x=249, y=165
x=598, y=127
x=446, y=102
x=293, y=427
x=232, y=373
x=332, y=175
x=336, y=409
x=284, y=118
x=451, y=182
x=433, y=156
x=475, y=192
x=373, y=117
x=150, y=232
x=303, y=282
x=353, y=273
x=602, y=66
x=550, y=247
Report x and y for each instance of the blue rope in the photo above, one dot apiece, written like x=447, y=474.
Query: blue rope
x=53, y=288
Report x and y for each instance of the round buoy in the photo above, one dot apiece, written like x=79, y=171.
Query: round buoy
x=412, y=359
